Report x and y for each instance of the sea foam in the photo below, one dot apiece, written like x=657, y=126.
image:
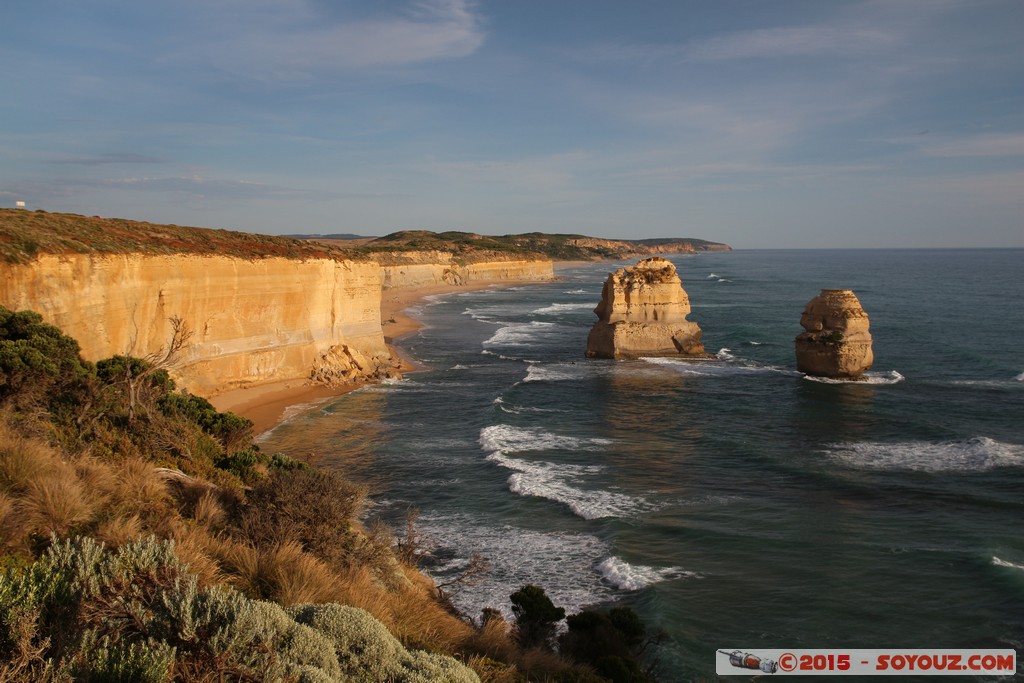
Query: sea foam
x=510, y=439
x=732, y=367
x=891, y=377
x=518, y=334
x=554, y=309
x=561, y=372
x=1003, y=563
x=560, y=482
x=632, y=577
x=564, y=563
x=972, y=455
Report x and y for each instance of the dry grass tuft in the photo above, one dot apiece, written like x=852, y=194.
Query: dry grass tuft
x=241, y=564
x=10, y=529
x=56, y=504
x=140, y=489
x=23, y=460
x=208, y=511
x=491, y=671
x=97, y=477
x=493, y=640
x=297, y=577
x=538, y=663
x=118, y=530
x=194, y=547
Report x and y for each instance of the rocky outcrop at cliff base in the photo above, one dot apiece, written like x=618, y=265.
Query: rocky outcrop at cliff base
x=643, y=312
x=836, y=342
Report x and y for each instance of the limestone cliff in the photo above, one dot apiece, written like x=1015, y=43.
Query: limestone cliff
x=254, y=320
x=433, y=268
x=643, y=312
x=836, y=342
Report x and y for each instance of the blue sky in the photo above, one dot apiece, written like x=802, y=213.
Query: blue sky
x=786, y=123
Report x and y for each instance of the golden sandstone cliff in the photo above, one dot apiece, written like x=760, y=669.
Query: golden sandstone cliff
x=435, y=268
x=643, y=312
x=836, y=342
x=253, y=320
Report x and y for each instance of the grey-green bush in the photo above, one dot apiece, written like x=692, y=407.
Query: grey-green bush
x=85, y=613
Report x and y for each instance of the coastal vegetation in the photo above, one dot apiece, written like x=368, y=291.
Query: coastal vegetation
x=26, y=234
x=145, y=537
x=558, y=247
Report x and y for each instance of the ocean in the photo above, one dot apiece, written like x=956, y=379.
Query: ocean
x=733, y=503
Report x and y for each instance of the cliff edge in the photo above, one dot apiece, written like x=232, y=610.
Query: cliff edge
x=260, y=308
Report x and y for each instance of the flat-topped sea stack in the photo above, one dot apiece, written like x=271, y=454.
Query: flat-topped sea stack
x=836, y=343
x=643, y=312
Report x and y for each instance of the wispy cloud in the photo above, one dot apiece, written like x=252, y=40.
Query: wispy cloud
x=791, y=41
x=1002, y=188
x=291, y=39
x=978, y=146
x=108, y=159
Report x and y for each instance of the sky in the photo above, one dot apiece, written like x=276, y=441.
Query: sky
x=759, y=123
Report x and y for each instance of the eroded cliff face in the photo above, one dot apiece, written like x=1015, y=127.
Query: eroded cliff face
x=836, y=342
x=643, y=312
x=253, y=320
x=436, y=268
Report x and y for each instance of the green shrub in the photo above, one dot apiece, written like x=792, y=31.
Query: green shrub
x=536, y=616
x=610, y=641
x=38, y=363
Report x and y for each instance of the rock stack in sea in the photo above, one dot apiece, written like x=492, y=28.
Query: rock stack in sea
x=836, y=342
x=643, y=312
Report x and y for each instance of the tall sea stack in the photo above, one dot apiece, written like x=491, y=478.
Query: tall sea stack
x=643, y=312
x=836, y=343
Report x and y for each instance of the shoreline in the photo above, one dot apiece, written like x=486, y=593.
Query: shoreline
x=271, y=404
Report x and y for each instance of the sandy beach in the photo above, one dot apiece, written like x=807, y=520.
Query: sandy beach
x=267, y=405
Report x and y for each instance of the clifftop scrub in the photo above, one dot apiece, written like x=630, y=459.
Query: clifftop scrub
x=27, y=234
x=561, y=247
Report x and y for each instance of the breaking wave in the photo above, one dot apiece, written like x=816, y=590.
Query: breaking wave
x=973, y=455
x=558, y=482
x=555, y=373
x=563, y=563
x=555, y=482
x=509, y=439
x=561, y=308
x=518, y=334
x=718, y=369
x=632, y=577
x=891, y=377
x=1003, y=563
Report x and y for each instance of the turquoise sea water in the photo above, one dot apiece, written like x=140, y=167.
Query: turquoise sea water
x=733, y=503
